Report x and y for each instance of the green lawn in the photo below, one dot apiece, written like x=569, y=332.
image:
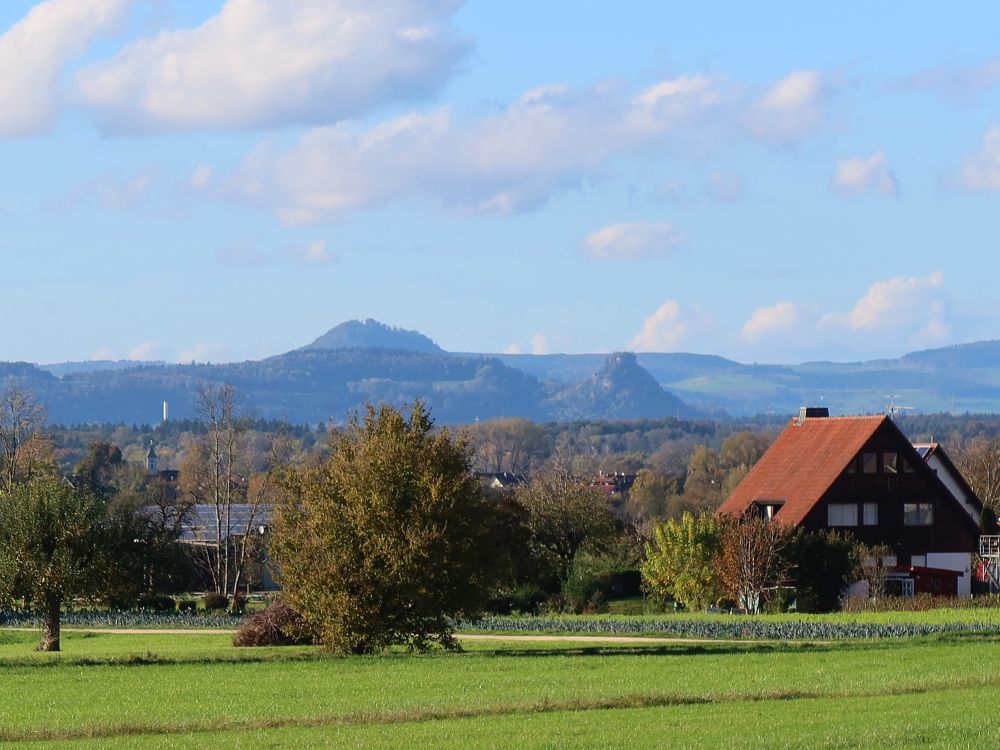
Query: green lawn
x=153, y=690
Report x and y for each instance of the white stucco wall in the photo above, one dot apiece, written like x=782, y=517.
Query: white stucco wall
x=953, y=487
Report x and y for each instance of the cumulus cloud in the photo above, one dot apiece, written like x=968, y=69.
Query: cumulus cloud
x=36, y=50
x=981, y=170
x=961, y=84
x=261, y=63
x=859, y=174
x=663, y=330
x=632, y=241
x=778, y=318
x=551, y=140
x=540, y=344
x=144, y=350
x=200, y=177
x=792, y=108
x=909, y=308
x=109, y=191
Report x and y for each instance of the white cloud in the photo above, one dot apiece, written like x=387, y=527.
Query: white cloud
x=540, y=344
x=200, y=177
x=261, y=63
x=858, y=175
x=959, y=85
x=144, y=350
x=35, y=51
x=552, y=140
x=317, y=252
x=778, y=318
x=109, y=191
x=661, y=331
x=631, y=241
x=102, y=353
x=981, y=170
x=903, y=305
x=513, y=349
x=792, y=108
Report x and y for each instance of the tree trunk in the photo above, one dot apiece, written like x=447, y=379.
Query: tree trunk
x=50, y=628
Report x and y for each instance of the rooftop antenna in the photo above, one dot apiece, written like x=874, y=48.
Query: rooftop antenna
x=893, y=408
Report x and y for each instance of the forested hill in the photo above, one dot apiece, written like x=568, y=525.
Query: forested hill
x=343, y=368
x=320, y=385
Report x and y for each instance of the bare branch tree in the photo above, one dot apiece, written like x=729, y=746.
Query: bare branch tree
x=753, y=563
x=22, y=419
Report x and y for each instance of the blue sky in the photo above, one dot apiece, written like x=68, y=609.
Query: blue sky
x=220, y=180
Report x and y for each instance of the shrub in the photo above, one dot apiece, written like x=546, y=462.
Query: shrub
x=214, y=602
x=278, y=625
x=527, y=599
x=156, y=603
x=187, y=605
x=588, y=585
x=238, y=605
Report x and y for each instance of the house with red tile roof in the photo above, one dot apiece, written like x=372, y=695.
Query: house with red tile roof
x=862, y=476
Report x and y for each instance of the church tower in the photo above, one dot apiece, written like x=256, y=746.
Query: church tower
x=151, y=459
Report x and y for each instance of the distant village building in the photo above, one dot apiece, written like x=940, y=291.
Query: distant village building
x=151, y=460
x=862, y=476
x=615, y=485
x=502, y=480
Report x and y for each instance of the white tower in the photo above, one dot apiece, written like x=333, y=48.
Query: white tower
x=166, y=411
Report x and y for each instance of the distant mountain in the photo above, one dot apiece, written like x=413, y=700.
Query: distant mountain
x=620, y=389
x=363, y=361
x=976, y=355
x=370, y=334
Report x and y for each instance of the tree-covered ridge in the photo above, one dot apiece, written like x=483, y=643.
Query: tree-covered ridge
x=370, y=334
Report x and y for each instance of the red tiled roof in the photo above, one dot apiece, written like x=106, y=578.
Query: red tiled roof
x=801, y=464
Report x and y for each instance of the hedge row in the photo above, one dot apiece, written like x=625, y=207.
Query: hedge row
x=725, y=628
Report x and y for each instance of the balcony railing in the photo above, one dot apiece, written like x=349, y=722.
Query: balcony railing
x=989, y=546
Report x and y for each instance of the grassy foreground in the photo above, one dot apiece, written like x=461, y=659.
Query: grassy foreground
x=189, y=690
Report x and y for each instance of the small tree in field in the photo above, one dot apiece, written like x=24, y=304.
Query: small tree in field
x=387, y=541
x=52, y=548
x=873, y=569
x=681, y=562
x=753, y=561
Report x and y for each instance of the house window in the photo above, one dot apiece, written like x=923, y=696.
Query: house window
x=869, y=463
x=918, y=514
x=841, y=514
x=852, y=467
x=870, y=514
x=889, y=463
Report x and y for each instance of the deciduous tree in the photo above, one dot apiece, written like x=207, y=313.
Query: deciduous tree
x=53, y=547
x=387, y=542
x=754, y=563
x=682, y=560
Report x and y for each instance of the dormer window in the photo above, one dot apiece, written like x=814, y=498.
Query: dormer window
x=768, y=509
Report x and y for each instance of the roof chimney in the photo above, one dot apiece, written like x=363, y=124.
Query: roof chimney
x=812, y=412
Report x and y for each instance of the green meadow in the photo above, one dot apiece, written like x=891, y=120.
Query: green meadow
x=190, y=690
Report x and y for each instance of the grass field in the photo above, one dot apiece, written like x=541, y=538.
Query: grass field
x=153, y=690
